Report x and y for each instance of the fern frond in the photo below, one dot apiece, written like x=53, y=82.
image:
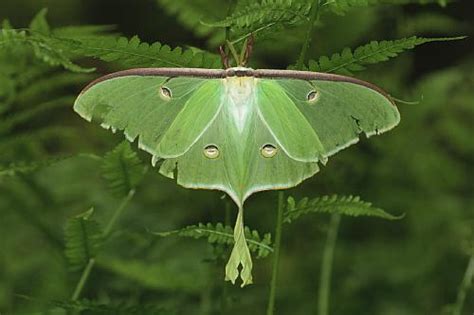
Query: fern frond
x=441, y=3
x=84, y=31
x=265, y=14
x=6, y=24
x=57, y=51
x=83, y=237
x=190, y=13
x=38, y=39
x=42, y=46
x=45, y=86
x=122, y=169
x=7, y=92
x=19, y=141
x=10, y=37
x=341, y=7
x=346, y=205
x=25, y=168
x=39, y=23
x=431, y=23
x=31, y=74
x=135, y=53
x=172, y=273
x=92, y=307
x=44, y=49
x=374, y=52
x=23, y=116
x=224, y=235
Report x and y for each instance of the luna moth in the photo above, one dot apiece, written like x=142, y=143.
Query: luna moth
x=238, y=130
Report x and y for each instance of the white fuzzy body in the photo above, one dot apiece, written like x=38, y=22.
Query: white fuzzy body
x=240, y=93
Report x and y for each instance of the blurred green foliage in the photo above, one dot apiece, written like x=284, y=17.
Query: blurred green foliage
x=54, y=166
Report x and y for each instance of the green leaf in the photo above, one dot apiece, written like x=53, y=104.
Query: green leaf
x=84, y=31
x=43, y=87
x=6, y=25
x=341, y=7
x=28, y=167
x=43, y=47
x=224, y=235
x=345, y=205
x=29, y=114
x=39, y=22
x=190, y=13
x=93, y=307
x=26, y=78
x=21, y=140
x=83, y=237
x=171, y=273
x=39, y=39
x=432, y=23
x=7, y=92
x=349, y=61
x=10, y=37
x=442, y=3
x=263, y=15
x=132, y=52
x=122, y=169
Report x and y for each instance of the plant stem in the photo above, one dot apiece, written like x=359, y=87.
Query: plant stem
x=224, y=298
x=326, y=266
x=206, y=299
x=464, y=287
x=276, y=257
x=225, y=291
x=82, y=281
x=90, y=264
x=230, y=7
x=118, y=212
x=29, y=216
x=243, y=37
x=233, y=52
x=314, y=16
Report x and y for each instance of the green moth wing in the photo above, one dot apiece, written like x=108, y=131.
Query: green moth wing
x=238, y=130
x=286, y=122
x=144, y=108
x=193, y=119
x=241, y=139
x=339, y=111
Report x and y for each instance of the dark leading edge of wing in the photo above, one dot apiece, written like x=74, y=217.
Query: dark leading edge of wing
x=244, y=72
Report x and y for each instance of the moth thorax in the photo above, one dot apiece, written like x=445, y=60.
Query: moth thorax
x=241, y=93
